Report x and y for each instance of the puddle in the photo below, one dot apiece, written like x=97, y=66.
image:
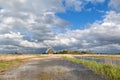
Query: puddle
x=56, y=73
x=54, y=69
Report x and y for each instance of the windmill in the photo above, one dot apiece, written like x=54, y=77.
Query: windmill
x=50, y=49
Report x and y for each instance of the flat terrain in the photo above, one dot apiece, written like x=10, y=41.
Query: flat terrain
x=50, y=69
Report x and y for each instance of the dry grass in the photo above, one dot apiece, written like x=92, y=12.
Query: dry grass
x=8, y=57
x=8, y=61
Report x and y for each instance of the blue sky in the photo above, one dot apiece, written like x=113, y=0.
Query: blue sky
x=90, y=13
x=83, y=25
x=79, y=20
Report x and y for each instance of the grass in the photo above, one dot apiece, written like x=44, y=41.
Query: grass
x=109, y=71
x=4, y=65
x=8, y=57
x=8, y=61
x=53, y=73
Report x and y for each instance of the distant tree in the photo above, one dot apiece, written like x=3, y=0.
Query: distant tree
x=17, y=53
x=62, y=52
x=75, y=52
x=83, y=52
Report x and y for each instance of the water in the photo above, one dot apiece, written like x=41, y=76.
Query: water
x=51, y=69
x=102, y=60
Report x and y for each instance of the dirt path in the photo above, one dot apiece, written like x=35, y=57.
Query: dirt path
x=50, y=69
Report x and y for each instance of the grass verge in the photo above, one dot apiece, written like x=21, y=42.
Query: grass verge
x=109, y=71
x=8, y=61
x=5, y=65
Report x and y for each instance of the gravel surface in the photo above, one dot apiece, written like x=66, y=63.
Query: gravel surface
x=50, y=69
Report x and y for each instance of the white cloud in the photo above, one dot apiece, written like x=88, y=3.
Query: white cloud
x=34, y=21
x=8, y=20
x=32, y=24
x=13, y=35
x=29, y=44
x=76, y=4
x=115, y=4
x=102, y=36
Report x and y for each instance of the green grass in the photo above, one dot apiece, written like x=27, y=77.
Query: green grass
x=4, y=65
x=109, y=71
x=15, y=60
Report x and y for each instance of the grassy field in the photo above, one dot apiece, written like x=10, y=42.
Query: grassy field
x=109, y=71
x=8, y=57
x=8, y=61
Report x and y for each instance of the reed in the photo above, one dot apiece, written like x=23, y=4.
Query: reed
x=111, y=72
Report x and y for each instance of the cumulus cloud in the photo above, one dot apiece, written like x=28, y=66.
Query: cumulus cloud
x=33, y=20
x=115, y=4
x=78, y=5
x=33, y=26
x=75, y=4
x=102, y=36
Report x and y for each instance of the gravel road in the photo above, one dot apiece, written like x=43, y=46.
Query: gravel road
x=50, y=69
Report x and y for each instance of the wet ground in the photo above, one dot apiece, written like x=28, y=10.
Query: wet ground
x=50, y=69
x=115, y=62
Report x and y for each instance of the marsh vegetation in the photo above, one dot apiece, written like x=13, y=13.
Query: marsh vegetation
x=111, y=72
